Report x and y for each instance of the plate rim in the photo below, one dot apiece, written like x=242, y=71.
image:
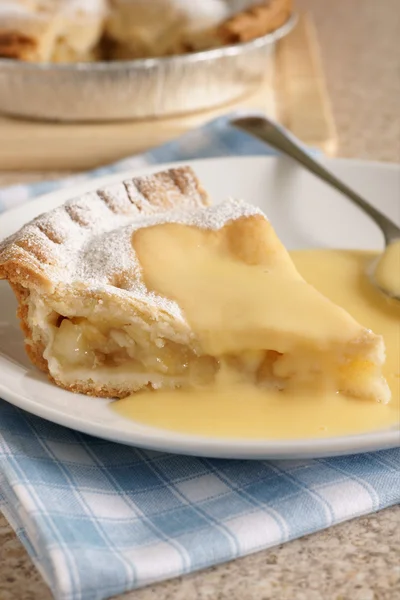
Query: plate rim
x=232, y=448
x=151, y=168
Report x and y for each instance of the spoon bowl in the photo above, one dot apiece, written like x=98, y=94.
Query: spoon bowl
x=385, y=270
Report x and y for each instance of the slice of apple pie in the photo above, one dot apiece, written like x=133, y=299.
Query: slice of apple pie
x=143, y=284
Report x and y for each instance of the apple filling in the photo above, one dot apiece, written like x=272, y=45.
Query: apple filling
x=79, y=343
x=96, y=347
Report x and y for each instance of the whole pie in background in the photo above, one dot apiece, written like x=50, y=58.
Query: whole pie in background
x=88, y=30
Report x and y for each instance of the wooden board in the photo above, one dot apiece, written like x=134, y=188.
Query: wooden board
x=302, y=99
x=297, y=97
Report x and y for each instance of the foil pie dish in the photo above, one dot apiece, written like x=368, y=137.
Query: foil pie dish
x=137, y=89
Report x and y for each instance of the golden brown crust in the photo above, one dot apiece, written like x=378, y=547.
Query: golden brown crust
x=105, y=391
x=255, y=22
x=33, y=349
x=264, y=17
x=14, y=44
x=18, y=265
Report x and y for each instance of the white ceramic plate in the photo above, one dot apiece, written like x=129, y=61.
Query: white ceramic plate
x=305, y=213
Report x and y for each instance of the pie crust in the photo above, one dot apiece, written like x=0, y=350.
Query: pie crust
x=72, y=31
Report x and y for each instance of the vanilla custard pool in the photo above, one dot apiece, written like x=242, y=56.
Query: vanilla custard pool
x=239, y=409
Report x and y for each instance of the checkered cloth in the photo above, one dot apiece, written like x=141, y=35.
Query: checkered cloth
x=100, y=518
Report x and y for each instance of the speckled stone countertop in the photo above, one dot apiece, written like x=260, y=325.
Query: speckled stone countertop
x=358, y=560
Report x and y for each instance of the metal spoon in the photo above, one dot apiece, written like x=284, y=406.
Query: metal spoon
x=279, y=138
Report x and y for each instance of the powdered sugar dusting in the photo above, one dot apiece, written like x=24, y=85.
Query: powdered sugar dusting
x=88, y=241
x=112, y=252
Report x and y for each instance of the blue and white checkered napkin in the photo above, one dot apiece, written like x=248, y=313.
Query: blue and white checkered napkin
x=100, y=518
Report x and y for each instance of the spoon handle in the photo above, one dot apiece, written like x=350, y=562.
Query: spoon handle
x=278, y=138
